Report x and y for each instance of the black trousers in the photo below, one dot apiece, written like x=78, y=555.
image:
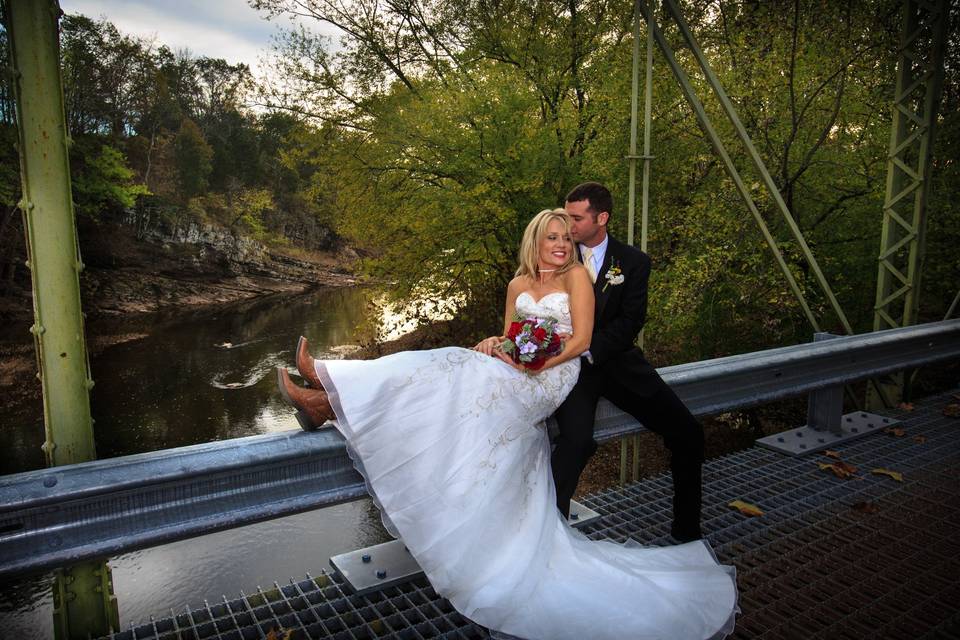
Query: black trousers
x=660, y=411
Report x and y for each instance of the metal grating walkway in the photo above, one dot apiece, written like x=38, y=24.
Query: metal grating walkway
x=866, y=557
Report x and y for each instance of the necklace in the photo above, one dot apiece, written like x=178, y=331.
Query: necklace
x=545, y=270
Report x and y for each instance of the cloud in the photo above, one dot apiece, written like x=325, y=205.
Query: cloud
x=227, y=29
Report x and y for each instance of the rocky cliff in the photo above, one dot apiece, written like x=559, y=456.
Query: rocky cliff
x=132, y=270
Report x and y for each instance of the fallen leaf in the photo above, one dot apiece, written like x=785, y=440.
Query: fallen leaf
x=866, y=507
x=839, y=468
x=832, y=454
x=952, y=411
x=919, y=439
x=746, y=508
x=906, y=406
x=896, y=475
x=896, y=432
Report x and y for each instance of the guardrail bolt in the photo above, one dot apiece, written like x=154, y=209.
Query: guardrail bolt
x=381, y=574
x=365, y=557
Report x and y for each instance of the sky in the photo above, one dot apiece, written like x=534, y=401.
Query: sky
x=227, y=29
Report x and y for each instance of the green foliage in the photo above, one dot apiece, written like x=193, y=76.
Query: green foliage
x=9, y=167
x=192, y=156
x=102, y=182
x=431, y=132
x=444, y=131
x=242, y=210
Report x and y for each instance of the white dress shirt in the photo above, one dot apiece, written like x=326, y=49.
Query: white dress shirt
x=599, y=253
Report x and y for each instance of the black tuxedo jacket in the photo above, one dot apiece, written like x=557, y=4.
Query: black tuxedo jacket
x=619, y=314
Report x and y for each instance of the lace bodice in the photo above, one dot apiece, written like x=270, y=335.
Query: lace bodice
x=554, y=305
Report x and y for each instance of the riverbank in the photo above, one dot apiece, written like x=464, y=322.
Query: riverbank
x=127, y=279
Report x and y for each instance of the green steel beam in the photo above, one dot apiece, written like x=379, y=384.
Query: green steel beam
x=632, y=157
x=707, y=126
x=918, y=89
x=953, y=306
x=758, y=163
x=647, y=128
x=645, y=190
x=53, y=258
x=84, y=602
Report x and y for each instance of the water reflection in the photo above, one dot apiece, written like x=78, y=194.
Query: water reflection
x=213, y=379
x=397, y=319
x=197, y=379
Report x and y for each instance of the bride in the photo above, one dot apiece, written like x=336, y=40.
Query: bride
x=453, y=447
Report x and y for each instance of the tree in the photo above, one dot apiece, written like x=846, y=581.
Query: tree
x=7, y=114
x=192, y=157
x=450, y=124
x=102, y=182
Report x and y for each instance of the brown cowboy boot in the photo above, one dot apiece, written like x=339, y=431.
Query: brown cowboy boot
x=313, y=406
x=306, y=365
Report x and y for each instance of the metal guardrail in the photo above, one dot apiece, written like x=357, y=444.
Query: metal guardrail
x=59, y=516
x=737, y=382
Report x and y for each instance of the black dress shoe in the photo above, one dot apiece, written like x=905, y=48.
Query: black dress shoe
x=685, y=534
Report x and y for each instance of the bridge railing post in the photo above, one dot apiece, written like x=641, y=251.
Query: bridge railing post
x=825, y=406
x=827, y=425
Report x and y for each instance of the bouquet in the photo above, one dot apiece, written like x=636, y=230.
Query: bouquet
x=530, y=341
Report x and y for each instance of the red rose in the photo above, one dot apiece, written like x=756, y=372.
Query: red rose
x=536, y=364
x=515, y=329
x=539, y=333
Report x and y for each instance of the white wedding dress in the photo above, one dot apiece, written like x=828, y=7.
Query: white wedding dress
x=454, y=450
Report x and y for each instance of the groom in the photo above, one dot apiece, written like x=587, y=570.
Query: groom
x=616, y=369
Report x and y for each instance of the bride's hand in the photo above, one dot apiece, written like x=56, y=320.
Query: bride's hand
x=488, y=346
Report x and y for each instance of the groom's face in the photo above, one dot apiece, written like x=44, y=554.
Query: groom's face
x=585, y=227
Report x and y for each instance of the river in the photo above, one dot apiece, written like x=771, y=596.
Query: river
x=209, y=377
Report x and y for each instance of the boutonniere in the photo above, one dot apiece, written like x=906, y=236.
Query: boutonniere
x=613, y=276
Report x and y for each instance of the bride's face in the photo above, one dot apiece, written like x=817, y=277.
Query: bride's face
x=555, y=246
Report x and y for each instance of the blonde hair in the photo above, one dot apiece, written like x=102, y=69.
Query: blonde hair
x=530, y=244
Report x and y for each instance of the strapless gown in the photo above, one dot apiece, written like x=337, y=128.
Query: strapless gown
x=453, y=446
